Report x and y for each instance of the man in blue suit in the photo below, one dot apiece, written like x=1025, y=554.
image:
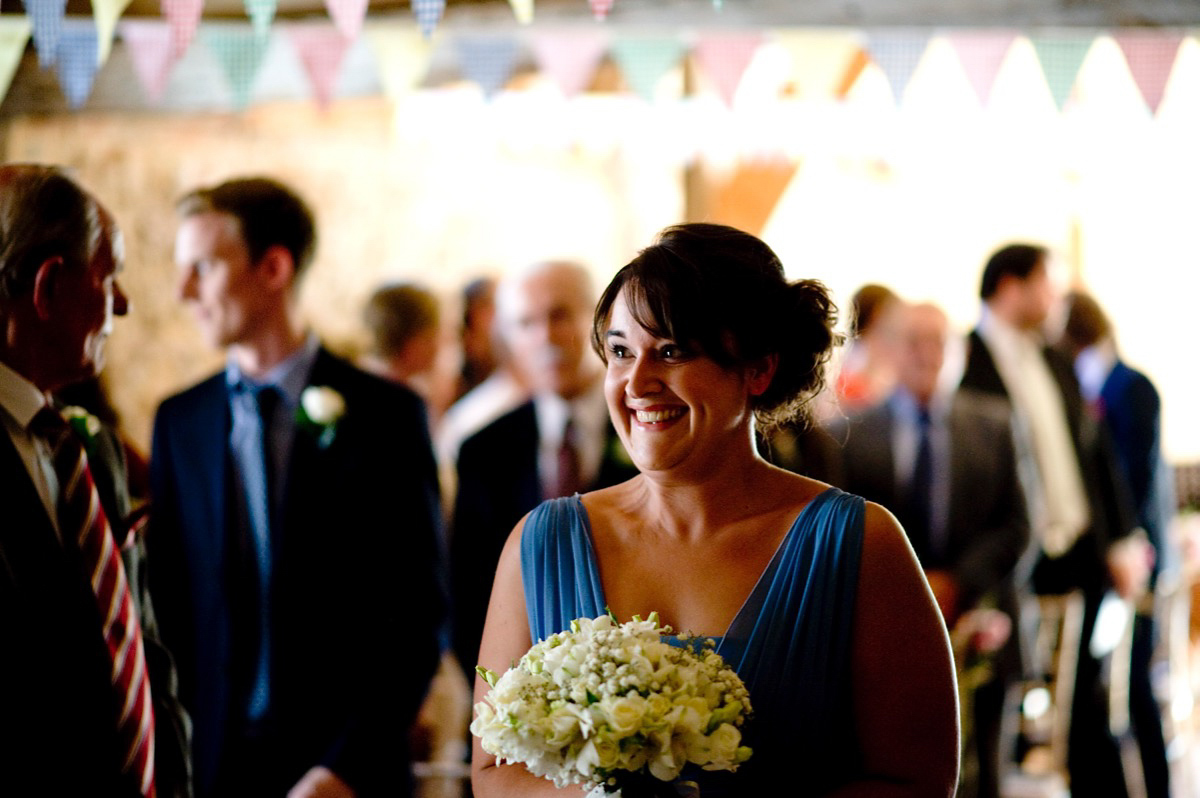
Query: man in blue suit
x=294, y=530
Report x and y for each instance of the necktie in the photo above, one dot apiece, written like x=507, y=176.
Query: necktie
x=82, y=523
x=568, y=463
x=257, y=484
x=918, y=516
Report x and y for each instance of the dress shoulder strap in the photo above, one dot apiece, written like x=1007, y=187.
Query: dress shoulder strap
x=558, y=568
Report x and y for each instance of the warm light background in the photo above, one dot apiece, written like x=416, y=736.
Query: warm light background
x=446, y=186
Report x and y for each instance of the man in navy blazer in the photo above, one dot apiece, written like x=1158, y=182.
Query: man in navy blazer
x=506, y=469
x=294, y=526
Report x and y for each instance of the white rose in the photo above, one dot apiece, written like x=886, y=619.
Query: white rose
x=624, y=714
x=723, y=744
x=322, y=404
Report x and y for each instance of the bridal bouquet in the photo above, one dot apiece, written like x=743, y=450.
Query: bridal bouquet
x=612, y=704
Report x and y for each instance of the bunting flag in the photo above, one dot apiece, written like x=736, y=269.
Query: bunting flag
x=321, y=48
x=348, y=16
x=522, y=10
x=1150, y=56
x=184, y=17
x=77, y=64
x=601, y=9
x=1061, y=56
x=570, y=58
x=151, y=47
x=106, y=13
x=14, y=36
x=819, y=59
x=262, y=14
x=47, y=19
x=428, y=14
x=644, y=60
x=724, y=58
x=402, y=53
x=486, y=60
x=897, y=53
x=240, y=53
x=981, y=53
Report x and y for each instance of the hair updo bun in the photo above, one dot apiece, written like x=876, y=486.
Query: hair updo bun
x=724, y=292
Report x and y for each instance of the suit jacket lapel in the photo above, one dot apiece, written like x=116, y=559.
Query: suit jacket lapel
x=203, y=464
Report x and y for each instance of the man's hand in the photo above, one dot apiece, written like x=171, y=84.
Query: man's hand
x=320, y=783
x=1129, y=564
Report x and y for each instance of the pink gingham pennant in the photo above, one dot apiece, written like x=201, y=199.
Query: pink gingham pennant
x=184, y=17
x=347, y=15
x=724, y=58
x=321, y=49
x=1151, y=57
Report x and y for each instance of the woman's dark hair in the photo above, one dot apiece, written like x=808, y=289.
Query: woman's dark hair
x=724, y=292
x=1086, y=322
x=867, y=305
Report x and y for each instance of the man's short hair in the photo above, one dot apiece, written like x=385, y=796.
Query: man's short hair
x=44, y=213
x=397, y=313
x=269, y=213
x=1014, y=260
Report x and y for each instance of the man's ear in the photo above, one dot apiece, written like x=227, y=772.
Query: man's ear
x=46, y=286
x=278, y=268
x=760, y=373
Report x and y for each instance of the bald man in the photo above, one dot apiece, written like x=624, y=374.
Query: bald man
x=558, y=443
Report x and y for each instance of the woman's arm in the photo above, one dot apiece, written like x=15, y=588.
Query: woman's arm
x=905, y=695
x=505, y=640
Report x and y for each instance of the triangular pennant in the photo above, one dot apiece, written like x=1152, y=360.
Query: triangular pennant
x=724, y=58
x=981, y=53
x=570, y=58
x=348, y=16
x=152, y=50
x=487, y=60
x=240, y=53
x=644, y=60
x=428, y=14
x=47, y=19
x=522, y=10
x=321, y=48
x=1061, y=56
x=1151, y=56
x=897, y=53
x=601, y=8
x=819, y=59
x=106, y=13
x=78, y=44
x=184, y=16
x=14, y=35
x=262, y=14
x=402, y=53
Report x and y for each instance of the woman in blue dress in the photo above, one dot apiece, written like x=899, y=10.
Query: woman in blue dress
x=813, y=595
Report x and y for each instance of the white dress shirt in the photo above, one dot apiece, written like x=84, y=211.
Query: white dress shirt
x=1058, y=504
x=589, y=413
x=20, y=401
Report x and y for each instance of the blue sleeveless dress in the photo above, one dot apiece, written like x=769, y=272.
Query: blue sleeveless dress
x=790, y=641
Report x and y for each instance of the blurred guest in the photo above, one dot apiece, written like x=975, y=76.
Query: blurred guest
x=1129, y=406
x=944, y=462
x=295, y=525
x=87, y=691
x=478, y=333
x=404, y=324
x=867, y=371
x=1072, y=489
x=559, y=443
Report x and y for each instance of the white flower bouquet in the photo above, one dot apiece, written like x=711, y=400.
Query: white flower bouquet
x=614, y=706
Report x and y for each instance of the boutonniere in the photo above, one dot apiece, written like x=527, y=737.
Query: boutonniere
x=83, y=424
x=321, y=408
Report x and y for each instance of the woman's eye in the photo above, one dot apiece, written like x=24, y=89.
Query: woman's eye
x=618, y=352
x=673, y=352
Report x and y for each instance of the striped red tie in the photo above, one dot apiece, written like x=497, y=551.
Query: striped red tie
x=81, y=520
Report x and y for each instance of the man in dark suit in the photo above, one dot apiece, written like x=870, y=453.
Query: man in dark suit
x=1077, y=513
x=294, y=529
x=556, y=444
x=61, y=690
x=1128, y=405
x=944, y=462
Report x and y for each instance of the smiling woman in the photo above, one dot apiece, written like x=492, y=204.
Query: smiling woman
x=812, y=595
